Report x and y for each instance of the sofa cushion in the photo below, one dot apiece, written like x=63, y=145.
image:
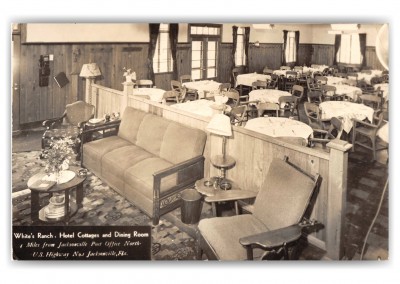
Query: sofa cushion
x=94, y=151
x=131, y=120
x=182, y=143
x=140, y=176
x=115, y=162
x=151, y=133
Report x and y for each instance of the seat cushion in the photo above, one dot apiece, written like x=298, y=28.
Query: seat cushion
x=115, y=162
x=130, y=123
x=223, y=233
x=140, y=176
x=94, y=151
x=181, y=143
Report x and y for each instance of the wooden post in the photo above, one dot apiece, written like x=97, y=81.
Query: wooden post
x=88, y=89
x=337, y=190
x=127, y=92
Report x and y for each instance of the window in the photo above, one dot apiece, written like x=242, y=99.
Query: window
x=162, y=60
x=290, y=53
x=240, y=58
x=349, y=51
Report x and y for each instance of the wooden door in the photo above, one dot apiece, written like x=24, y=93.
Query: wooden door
x=204, y=58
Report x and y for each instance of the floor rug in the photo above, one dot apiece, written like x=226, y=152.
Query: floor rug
x=103, y=206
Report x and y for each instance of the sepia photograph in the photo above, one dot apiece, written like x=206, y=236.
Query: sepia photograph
x=232, y=140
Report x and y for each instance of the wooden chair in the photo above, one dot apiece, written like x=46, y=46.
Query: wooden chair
x=281, y=210
x=170, y=97
x=365, y=134
x=315, y=96
x=224, y=87
x=238, y=115
x=177, y=87
x=375, y=80
x=290, y=80
x=273, y=83
x=323, y=137
x=185, y=78
x=144, y=83
x=321, y=80
x=70, y=124
x=233, y=98
x=235, y=73
x=313, y=114
x=372, y=101
x=259, y=85
x=329, y=93
x=191, y=94
x=298, y=92
x=288, y=106
x=267, y=107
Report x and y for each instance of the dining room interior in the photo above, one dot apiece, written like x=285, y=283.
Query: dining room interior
x=232, y=141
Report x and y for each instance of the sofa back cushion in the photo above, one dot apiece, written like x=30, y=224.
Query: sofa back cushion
x=151, y=133
x=181, y=143
x=130, y=122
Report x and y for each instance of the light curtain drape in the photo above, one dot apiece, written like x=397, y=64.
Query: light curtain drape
x=173, y=38
x=154, y=31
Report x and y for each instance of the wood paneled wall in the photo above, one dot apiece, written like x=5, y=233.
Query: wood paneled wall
x=40, y=103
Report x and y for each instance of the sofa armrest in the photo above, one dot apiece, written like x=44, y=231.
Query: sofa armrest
x=175, y=168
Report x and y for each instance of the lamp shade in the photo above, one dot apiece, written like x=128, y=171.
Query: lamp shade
x=90, y=70
x=220, y=124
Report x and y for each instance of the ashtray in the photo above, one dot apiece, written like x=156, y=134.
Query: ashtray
x=82, y=173
x=208, y=183
x=225, y=185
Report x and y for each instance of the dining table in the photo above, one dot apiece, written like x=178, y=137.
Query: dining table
x=367, y=76
x=202, y=107
x=348, y=91
x=332, y=80
x=267, y=95
x=154, y=94
x=249, y=78
x=346, y=112
x=204, y=88
x=279, y=127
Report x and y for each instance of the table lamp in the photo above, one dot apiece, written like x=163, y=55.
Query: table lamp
x=220, y=125
x=89, y=71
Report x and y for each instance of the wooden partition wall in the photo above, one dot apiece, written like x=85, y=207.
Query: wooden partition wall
x=253, y=153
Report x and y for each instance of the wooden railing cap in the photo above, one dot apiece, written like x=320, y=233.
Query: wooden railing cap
x=340, y=145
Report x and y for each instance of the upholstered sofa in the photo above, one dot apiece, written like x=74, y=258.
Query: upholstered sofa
x=149, y=161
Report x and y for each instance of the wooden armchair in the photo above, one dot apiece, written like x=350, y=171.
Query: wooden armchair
x=323, y=137
x=70, y=124
x=365, y=134
x=281, y=211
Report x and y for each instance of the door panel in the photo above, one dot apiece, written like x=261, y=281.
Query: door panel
x=204, y=58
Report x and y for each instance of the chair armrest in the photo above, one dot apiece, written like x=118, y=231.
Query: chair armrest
x=175, y=168
x=50, y=123
x=355, y=121
x=274, y=238
x=231, y=195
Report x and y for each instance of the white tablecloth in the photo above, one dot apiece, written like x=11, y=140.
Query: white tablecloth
x=279, y=127
x=384, y=88
x=248, y=79
x=350, y=91
x=267, y=95
x=334, y=80
x=367, y=77
x=203, y=86
x=279, y=72
x=155, y=94
x=347, y=111
x=200, y=107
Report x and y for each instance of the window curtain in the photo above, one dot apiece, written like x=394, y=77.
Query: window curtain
x=246, y=48
x=363, y=48
x=285, y=34
x=338, y=40
x=154, y=31
x=297, y=42
x=234, y=44
x=173, y=38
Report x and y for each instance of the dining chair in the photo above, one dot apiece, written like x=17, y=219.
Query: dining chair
x=315, y=96
x=273, y=83
x=329, y=93
x=281, y=212
x=235, y=72
x=372, y=100
x=238, y=115
x=233, y=97
x=185, y=78
x=144, y=83
x=267, y=107
x=181, y=90
x=298, y=92
x=259, y=85
x=288, y=106
x=321, y=80
x=171, y=97
x=313, y=114
x=323, y=137
x=365, y=134
x=224, y=87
